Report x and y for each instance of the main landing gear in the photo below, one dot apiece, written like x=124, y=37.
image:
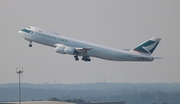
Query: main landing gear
x=85, y=58
x=76, y=57
x=30, y=45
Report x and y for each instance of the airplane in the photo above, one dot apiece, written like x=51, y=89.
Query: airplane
x=65, y=45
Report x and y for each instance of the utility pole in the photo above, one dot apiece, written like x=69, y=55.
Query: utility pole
x=19, y=72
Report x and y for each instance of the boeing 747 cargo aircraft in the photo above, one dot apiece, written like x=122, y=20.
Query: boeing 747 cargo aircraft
x=65, y=45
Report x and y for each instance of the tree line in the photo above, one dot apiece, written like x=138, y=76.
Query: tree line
x=130, y=93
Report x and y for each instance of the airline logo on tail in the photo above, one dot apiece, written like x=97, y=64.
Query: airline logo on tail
x=148, y=46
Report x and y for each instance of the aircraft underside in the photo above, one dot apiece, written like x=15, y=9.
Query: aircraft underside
x=76, y=55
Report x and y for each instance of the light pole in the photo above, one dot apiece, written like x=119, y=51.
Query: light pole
x=19, y=72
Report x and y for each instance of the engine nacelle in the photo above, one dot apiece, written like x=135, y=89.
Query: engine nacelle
x=69, y=50
x=65, y=50
x=60, y=50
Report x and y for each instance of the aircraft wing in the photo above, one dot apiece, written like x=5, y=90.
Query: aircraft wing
x=61, y=45
x=78, y=49
x=81, y=50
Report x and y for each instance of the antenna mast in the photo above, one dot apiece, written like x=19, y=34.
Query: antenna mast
x=19, y=72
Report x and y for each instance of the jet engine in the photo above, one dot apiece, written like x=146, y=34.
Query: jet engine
x=65, y=50
x=60, y=50
x=69, y=50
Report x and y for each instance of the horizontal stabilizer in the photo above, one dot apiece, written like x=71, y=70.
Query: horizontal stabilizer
x=157, y=57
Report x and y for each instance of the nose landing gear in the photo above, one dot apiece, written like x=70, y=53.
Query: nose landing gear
x=30, y=45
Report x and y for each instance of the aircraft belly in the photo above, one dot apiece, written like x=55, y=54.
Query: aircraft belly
x=103, y=54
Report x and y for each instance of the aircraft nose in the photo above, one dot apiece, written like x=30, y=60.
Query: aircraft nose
x=20, y=31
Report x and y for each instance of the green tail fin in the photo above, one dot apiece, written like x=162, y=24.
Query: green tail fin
x=148, y=46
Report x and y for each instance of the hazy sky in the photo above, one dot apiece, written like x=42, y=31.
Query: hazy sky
x=113, y=23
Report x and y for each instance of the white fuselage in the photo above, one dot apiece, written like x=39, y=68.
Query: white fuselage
x=50, y=38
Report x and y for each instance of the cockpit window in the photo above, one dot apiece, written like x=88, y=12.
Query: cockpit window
x=27, y=31
x=29, y=27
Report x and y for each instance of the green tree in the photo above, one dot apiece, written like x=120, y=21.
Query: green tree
x=54, y=99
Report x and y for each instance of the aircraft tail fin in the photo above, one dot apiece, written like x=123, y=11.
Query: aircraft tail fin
x=148, y=46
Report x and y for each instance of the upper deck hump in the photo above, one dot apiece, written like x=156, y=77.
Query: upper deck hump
x=41, y=30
